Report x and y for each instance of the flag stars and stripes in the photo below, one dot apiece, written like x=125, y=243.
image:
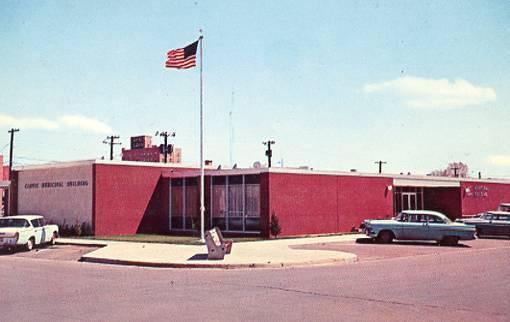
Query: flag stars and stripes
x=182, y=58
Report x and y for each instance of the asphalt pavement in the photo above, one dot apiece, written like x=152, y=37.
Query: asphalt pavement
x=469, y=283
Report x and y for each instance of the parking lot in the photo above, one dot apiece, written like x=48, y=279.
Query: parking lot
x=364, y=248
x=367, y=250
x=53, y=252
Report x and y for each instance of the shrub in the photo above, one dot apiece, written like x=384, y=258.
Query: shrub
x=275, y=226
x=75, y=230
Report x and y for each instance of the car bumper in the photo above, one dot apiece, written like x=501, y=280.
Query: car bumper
x=6, y=242
x=369, y=232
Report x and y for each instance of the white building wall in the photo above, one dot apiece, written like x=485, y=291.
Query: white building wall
x=62, y=195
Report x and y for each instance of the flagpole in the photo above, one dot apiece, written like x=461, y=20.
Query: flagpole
x=202, y=207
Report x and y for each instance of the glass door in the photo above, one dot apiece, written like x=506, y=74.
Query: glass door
x=409, y=201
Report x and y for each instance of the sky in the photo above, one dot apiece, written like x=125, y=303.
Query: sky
x=337, y=85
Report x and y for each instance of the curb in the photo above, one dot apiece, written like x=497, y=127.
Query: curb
x=353, y=258
x=81, y=244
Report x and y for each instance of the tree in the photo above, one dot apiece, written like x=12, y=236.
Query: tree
x=275, y=225
x=454, y=169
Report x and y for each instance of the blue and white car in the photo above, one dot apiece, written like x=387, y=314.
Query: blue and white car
x=419, y=225
x=26, y=231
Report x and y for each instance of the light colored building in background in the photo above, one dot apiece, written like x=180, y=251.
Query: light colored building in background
x=62, y=193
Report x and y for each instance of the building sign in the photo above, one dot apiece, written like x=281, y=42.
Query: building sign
x=56, y=184
x=62, y=194
x=140, y=142
x=478, y=191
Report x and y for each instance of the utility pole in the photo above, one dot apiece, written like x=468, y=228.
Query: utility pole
x=455, y=174
x=380, y=165
x=269, y=152
x=111, y=141
x=12, y=131
x=11, y=149
x=166, y=134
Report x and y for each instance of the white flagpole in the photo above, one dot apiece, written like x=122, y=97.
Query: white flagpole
x=202, y=207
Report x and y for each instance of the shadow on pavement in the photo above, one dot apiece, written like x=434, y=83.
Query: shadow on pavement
x=367, y=240
x=198, y=257
x=494, y=237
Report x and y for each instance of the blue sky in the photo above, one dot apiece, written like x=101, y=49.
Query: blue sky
x=337, y=84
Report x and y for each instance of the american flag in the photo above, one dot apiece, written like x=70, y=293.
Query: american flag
x=183, y=58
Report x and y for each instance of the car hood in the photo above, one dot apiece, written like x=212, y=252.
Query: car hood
x=380, y=221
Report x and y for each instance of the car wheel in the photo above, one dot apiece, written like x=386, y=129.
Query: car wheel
x=54, y=238
x=384, y=237
x=30, y=244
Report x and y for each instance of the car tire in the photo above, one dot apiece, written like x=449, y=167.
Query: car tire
x=30, y=244
x=450, y=241
x=384, y=237
x=54, y=237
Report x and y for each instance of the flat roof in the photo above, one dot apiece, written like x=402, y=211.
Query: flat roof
x=194, y=170
x=67, y=164
x=401, y=180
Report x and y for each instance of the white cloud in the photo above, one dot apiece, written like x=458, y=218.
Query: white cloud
x=85, y=123
x=499, y=160
x=434, y=93
x=79, y=122
x=27, y=122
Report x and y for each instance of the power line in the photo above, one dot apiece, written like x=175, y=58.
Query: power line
x=11, y=131
x=269, y=152
x=166, y=148
x=111, y=141
x=6, y=145
x=380, y=165
x=231, y=132
x=11, y=151
x=455, y=168
x=35, y=159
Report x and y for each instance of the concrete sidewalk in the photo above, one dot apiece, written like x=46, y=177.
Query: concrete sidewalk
x=267, y=253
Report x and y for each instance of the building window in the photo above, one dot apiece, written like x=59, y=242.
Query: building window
x=184, y=204
x=239, y=209
x=234, y=204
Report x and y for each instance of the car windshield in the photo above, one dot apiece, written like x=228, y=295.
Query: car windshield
x=446, y=220
x=486, y=216
x=504, y=207
x=16, y=223
x=401, y=217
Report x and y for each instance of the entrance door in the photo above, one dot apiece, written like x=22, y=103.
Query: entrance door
x=409, y=201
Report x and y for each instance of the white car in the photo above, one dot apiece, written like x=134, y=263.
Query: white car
x=26, y=231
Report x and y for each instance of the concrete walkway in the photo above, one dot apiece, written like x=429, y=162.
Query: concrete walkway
x=268, y=253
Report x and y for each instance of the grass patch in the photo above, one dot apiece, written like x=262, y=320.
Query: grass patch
x=165, y=239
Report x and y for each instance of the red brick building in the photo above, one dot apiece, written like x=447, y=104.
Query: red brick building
x=118, y=197
x=4, y=185
x=143, y=150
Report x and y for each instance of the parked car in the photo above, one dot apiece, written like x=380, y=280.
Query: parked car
x=27, y=231
x=419, y=225
x=504, y=207
x=490, y=223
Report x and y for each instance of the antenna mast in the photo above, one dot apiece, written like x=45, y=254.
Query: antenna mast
x=231, y=132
